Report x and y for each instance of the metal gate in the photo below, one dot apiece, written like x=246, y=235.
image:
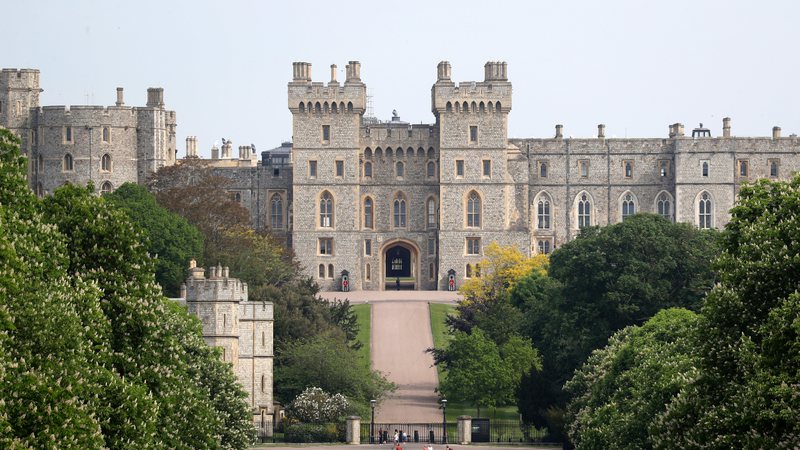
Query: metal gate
x=428, y=433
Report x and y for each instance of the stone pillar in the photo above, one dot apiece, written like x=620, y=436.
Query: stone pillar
x=464, y=428
x=601, y=131
x=333, y=74
x=353, y=427
x=559, y=131
x=726, y=127
x=776, y=132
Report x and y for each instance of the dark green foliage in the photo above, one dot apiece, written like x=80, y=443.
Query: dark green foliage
x=168, y=235
x=747, y=395
x=311, y=432
x=623, y=388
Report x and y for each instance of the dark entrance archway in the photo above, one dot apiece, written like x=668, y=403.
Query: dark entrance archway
x=400, y=263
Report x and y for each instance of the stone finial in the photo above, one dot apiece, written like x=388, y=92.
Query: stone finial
x=183, y=291
x=333, y=74
x=559, y=131
x=443, y=71
x=120, y=99
x=601, y=131
x=776, y=132
x=192, y=263
x=225, y=272
x=726, y=127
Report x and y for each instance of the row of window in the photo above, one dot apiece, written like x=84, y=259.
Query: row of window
x=664, y=169
x=325, y=107
x=68, y=137
x=105, y=188
x=68, y=163
x=400, y=153
x=399, y=169
x=473, y=107
x=399, y=211
x=327, y=272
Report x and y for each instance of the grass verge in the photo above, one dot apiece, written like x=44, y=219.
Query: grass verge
x=362, y=313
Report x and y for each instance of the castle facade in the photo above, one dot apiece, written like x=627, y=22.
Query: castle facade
x=376, y=203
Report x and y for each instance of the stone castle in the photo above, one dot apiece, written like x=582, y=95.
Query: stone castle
x=241, y=328
x=381, y=202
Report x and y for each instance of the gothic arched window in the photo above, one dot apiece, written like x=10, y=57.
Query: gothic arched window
x=543, y=213
x=276, y=211
x=628, y=206
x=584, y=211
x=106, y=188
x=400, y=167
x=400, y=212
x=664, y=206
x=431, y=210
x=105, y=163
x=326, y=210
x=368, y=169
x=473, y=210
x=704, y=211
x=68, y=163
x=368, y=213
x=431, y=169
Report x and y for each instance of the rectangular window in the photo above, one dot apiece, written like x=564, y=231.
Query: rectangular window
x=431, y=247
x=627, y=166
x=774, y=167
x=663, y=168
x=325, y=246
x=583, y=164
x=368, y=247
x=276, y=172
x=67, y=134
x=473, y=246
x=487, y=168
x=326, y=133
x=339, y=169
x=312, y=169
x=459, y=167
x=744, y=168
x=473, y=133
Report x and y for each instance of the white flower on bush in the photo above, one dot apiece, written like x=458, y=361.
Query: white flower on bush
x=314, y=405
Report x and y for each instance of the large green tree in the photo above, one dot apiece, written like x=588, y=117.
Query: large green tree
x=604, y=280
x=748, y=394
x=618, y=394
x=169, y=237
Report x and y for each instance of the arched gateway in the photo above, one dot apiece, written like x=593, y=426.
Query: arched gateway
x=400, y=262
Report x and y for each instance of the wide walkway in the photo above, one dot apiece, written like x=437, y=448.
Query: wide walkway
x=401, y=334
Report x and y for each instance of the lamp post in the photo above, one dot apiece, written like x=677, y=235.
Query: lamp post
x=372, y=423
x=444, y=420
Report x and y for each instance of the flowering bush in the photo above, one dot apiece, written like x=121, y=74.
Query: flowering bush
x=314, y=405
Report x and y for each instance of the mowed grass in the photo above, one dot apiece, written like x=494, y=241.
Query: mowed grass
x=441, y=338
x=362, y=313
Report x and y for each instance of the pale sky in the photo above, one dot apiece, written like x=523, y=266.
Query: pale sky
x=636, y=66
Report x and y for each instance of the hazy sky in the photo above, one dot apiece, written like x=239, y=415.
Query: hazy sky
x=636, y=66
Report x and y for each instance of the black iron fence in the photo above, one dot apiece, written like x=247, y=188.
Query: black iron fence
x=431, y=433
x=511, y=432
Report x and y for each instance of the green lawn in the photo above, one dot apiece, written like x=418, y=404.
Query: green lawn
x=439, y=312
x=363, y=316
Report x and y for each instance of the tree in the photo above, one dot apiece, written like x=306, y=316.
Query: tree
x=606, y=279
x=618, y=394
x=747, y=394
x=502, y=267
x=482, y=373
x=169, y=236
x=314, y=405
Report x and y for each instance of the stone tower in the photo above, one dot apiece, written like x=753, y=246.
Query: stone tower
x=480, y=202
x=242, y=329
x=156, y=142
x=19, y=92
x=326, y=124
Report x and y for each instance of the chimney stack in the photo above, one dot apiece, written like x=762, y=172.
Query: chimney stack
x=333, y=74
x=776, y=132
x=726, y=127
x=601, y=131
x=443, y=71
x=301, y=72
x=559, y=131
x=353, y=72
x=120, y=99
x=155, y=97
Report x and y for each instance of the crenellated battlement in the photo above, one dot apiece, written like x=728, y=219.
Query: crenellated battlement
x=490, y=96
x=309, y=97
x=217, y=287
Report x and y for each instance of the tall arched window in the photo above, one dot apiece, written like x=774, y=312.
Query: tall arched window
x=543, y=213
x=276, y=211
x=40, y=164
x=326, y=210
x=449, y=107
x=322, y=270
x=431, y=210
x=704, y=211
x=368, y=213
x=106, y=188
x=330, y=270
x=664, y=206
x=106, y=134
x=368, y=272
x=68, y=163
x=473, y=210
x=105, y=163
x=469, y=271
x=368, y=169
x=628, y=206
x=399, y=212
x=705, y=168
x=431, y=169
x=584, y=211
x=400, y=168
x=302, y=107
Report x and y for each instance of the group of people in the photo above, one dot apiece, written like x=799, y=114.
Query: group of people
x=399, y=438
